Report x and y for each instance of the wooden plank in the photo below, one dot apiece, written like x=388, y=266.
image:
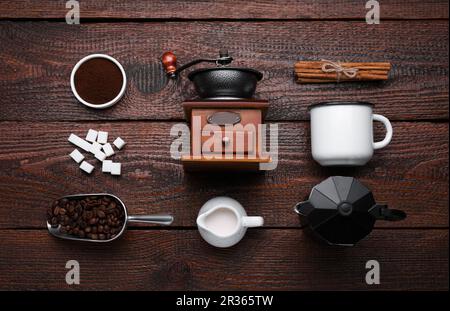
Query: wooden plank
x=263, y=260
x=410, y=174
x=226, y=9
x=38, y=58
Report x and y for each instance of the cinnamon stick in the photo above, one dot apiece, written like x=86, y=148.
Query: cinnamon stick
x=318, y=64
x=360, y=76
x=376, y=71
x=315, y=80
x=328, y=71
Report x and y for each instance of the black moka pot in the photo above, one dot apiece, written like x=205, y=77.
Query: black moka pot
x=342, y=211
x=218, y=82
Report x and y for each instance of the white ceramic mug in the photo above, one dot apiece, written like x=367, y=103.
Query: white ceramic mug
x=342, y=133
x=223, y=222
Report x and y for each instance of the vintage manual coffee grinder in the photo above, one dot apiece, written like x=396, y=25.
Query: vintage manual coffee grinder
x=226, y=121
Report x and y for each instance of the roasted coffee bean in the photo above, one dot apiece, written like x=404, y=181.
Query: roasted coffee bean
x=92, y=217
x=56, y=211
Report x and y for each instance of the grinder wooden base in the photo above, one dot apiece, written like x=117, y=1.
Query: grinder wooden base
x=195, y=165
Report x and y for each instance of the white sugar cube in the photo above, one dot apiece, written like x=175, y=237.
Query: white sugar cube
x=115, y=168
x=108, y=149
x=76, y=156
x=100, y=156
x=119, y=143
x=95, y=147
x=106, y=166
x=91, y=135
x=80, y=142
x=102, y=137
x=85, y=166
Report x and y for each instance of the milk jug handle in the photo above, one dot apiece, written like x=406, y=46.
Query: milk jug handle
x=252, y=221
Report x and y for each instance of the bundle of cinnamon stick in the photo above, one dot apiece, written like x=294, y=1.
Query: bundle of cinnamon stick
x=325, y=71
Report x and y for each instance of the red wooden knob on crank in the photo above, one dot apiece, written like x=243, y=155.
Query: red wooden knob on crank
x=169, y=61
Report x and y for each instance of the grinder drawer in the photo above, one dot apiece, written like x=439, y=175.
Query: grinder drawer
x=239, y=118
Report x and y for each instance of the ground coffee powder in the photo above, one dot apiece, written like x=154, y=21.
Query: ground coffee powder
x=98, y=81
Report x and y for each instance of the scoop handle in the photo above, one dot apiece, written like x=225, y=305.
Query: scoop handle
x=152, y=219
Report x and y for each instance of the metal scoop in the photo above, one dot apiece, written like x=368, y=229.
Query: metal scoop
x=153, y=219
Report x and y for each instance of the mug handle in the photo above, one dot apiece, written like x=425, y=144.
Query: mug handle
x=252, y=221
x=389, y=131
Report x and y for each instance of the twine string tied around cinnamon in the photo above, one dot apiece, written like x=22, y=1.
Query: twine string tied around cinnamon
x=330, y=66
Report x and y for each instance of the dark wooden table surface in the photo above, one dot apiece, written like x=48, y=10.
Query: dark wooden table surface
x=38, y=112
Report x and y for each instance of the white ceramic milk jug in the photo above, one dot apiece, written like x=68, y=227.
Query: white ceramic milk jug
x=222, y=222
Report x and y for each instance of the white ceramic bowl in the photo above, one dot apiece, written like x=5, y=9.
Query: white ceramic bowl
x=111, y=102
